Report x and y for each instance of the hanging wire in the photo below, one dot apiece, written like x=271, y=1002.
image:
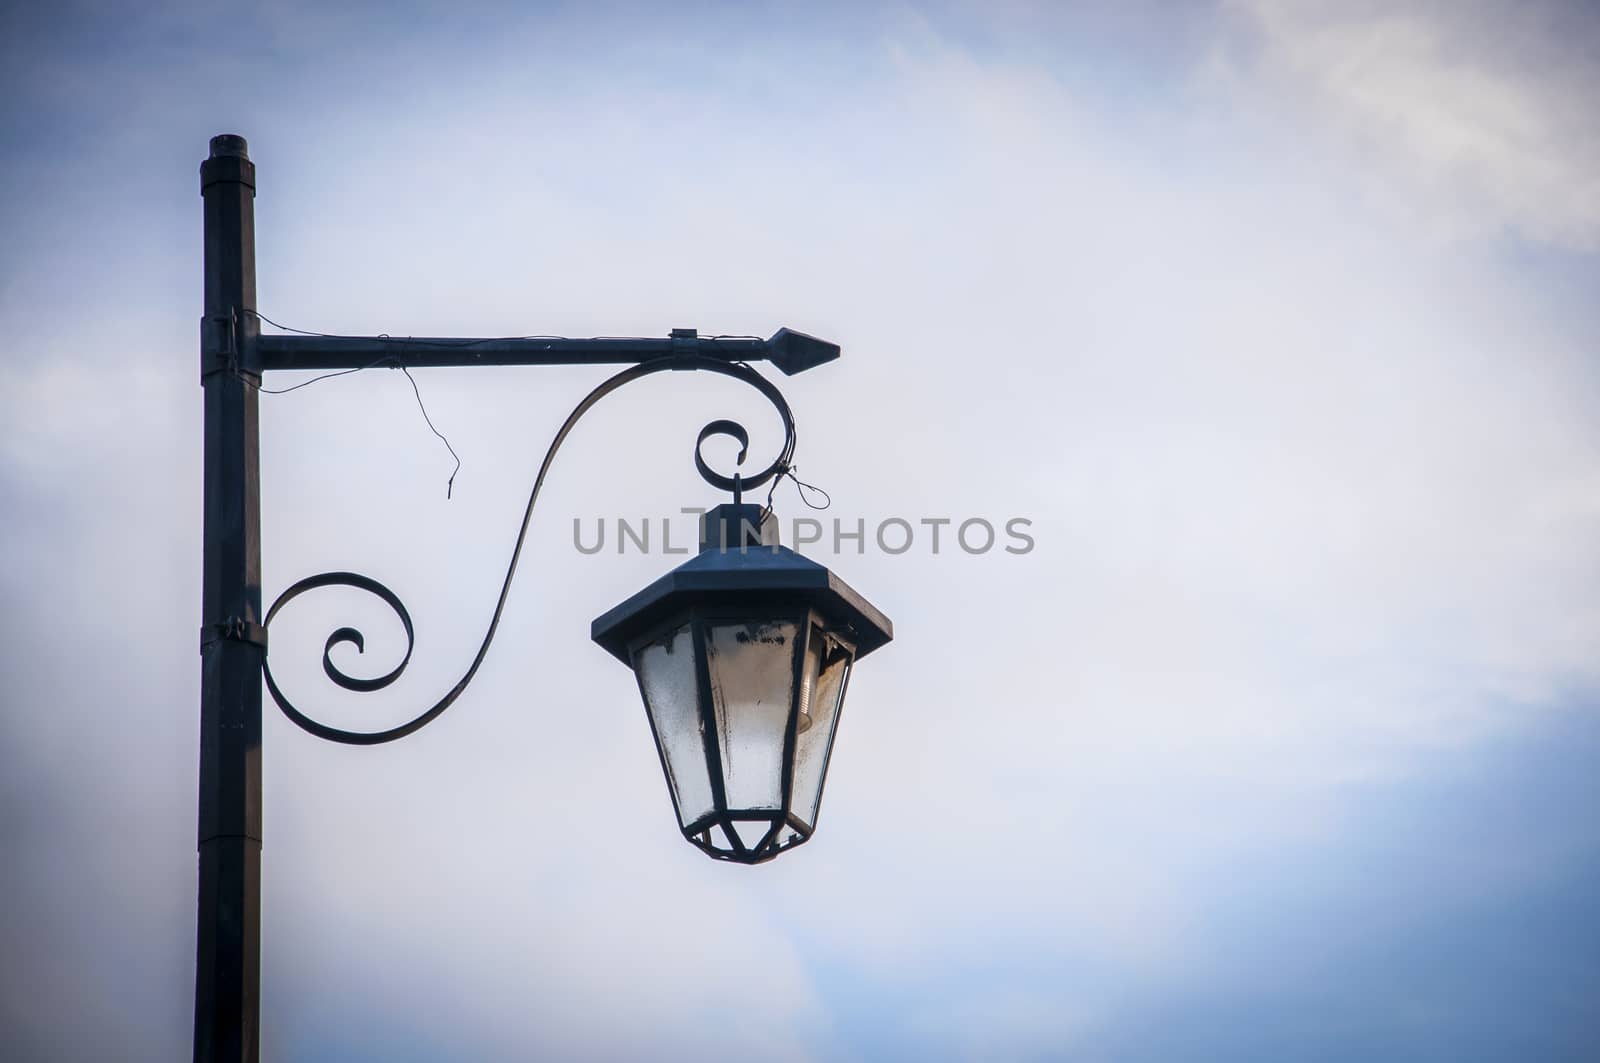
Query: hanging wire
x=450, y=483
x=801, y=489
x=409, y=340
x=445, y=343
x=390, y=360
x=324, y=376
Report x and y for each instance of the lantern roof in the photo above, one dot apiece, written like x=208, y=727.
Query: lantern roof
x=752, y=569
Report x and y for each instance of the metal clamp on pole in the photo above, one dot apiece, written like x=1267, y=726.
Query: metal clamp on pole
x=218, y=353
x=233, y=629
x=685, y=347
x=220, y=347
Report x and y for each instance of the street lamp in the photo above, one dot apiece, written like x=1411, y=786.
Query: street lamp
x=742, y=653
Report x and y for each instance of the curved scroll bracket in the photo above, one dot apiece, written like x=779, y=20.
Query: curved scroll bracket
x=733, y=429
x=349, y=682
x=352, y=636
x=721, y=428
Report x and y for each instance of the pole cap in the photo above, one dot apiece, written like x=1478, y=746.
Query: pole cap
x=229, y=146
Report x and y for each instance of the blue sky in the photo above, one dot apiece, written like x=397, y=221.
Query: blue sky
x=1276, y=320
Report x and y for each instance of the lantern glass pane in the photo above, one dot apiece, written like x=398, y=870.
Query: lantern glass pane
x=752, y=690
x=821, y=691
x=671, y=696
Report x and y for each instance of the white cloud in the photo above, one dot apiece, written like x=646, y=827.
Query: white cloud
x=1484, y=110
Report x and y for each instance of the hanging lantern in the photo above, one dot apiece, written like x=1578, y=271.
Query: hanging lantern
x=743, y=654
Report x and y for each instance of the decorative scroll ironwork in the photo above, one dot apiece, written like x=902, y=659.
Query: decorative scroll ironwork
x=738, y=370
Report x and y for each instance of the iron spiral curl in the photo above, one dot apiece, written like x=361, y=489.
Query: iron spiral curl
x=737, y=370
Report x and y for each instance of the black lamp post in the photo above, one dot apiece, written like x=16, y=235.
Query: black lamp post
x=742, y=653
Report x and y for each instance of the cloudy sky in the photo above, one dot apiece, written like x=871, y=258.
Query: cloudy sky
x=1277, y=321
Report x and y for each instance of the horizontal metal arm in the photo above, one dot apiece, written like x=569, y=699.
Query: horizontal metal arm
x=791, y=352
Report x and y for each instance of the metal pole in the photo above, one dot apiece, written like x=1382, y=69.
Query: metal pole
x=232, y=641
